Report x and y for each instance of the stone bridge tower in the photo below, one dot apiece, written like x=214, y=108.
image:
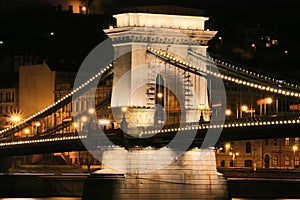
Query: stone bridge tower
x=142, y=81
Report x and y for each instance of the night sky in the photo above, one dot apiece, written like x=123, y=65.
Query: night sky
x=27, y=32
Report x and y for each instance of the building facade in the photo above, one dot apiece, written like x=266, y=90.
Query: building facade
x=273, y=153
x=8, y=105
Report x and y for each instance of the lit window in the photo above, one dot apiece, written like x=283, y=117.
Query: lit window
x=275, y=160
x=286, y=160
x=296, y=161
x=287, y=142
x=296, y=140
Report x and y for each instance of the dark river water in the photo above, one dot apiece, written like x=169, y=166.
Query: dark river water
x=76, y=198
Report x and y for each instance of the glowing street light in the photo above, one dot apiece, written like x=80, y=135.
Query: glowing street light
x=228, y=112
x=234, y=155
x=227, y=146
x=295, y=148
x=83, y=8
x=26, y=131
x=265, y=101
x=269, y=100
x=160, y=95
x=84, y=118
x=15, y=118
x=91, y=110
x=244, y=108
x=124, y=109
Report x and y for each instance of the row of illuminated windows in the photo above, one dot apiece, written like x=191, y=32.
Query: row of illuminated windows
x=286, y=160
x=287, y=141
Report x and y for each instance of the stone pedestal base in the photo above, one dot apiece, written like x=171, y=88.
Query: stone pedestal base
x=192, y=176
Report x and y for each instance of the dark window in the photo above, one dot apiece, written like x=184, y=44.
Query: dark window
x=70, y=9
x=231, y=163
x=248, y=147
x=248, y=163
x=223, y=163
x=266, y=142
x=275, y=142
x=58, y=7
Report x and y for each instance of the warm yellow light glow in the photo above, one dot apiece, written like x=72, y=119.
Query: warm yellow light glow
x=227, y=146
x=201, y=106
x=84, y=118
x=37, y=124
x=124, y=109
x=15, y=118
x=295, y=148
x=237, y=153
x=104, y=121
x=111, y=27
x=75, y=125
x=91, y=110
x=83, y=8
x=26, y=131
x=228, y=112
x=253, y=45
x=269, y=100
x=230, y=153
x=244, y=108
x=159, y=95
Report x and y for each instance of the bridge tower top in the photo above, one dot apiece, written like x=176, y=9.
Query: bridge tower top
x=160, y=20
x=192, y=26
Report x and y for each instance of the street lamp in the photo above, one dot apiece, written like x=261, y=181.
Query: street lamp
x=254, y=47
x=15, y=118
x=295, y=148
x=91, y=110
x=160, y=95
x=234, y=155
x=221, y=41
x=227, y=146
x=265, y=101
x=244, y=108
x=268, y=100
x=228, y=112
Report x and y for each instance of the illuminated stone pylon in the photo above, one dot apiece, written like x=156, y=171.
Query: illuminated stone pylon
x=147, y=173
x=136, y=71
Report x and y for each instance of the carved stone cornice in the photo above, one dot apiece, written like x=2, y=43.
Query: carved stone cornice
x=159, y=35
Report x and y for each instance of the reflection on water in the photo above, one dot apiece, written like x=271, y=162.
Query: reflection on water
x=259, y=199
x=77, y=198
x=46, y=198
